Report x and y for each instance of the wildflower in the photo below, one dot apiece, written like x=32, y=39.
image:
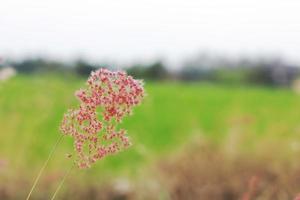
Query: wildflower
x=107, y=99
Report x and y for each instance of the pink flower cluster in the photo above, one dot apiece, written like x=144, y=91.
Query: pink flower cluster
x=108, y=98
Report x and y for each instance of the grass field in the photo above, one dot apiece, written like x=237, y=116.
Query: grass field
x=172, y=115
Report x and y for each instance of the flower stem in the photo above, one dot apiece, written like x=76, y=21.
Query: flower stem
x=44, y=166
x=62, y=182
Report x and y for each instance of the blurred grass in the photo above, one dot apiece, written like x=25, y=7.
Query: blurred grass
x=172, y=113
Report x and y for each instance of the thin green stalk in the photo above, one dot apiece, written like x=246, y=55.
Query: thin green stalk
x=44, y=166
x=62, y=182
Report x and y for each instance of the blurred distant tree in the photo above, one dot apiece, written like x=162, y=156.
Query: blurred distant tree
x=193, y=73
x=198, y=68
x=155, y=71
x=263, y=71
x=236, y=75
x=29, y=65
x=137, y=71
x=83, y=68
x=37, y=65
x=261, y=75
x=270, y=71
x=273, y=75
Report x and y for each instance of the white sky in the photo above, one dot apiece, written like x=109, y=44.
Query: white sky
x=143, y=29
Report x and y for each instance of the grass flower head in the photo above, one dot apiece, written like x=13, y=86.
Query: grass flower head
x=107, y=99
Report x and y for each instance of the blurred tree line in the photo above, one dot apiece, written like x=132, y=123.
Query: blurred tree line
x=264, y=71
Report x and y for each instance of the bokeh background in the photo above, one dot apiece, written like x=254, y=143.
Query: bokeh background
x=221, y=119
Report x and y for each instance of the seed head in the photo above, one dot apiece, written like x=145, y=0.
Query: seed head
x=107, y=99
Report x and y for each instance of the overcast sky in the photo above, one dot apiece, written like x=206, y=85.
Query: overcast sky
x=124, y=30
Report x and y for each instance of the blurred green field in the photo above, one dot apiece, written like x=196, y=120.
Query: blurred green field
x=171, y=116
